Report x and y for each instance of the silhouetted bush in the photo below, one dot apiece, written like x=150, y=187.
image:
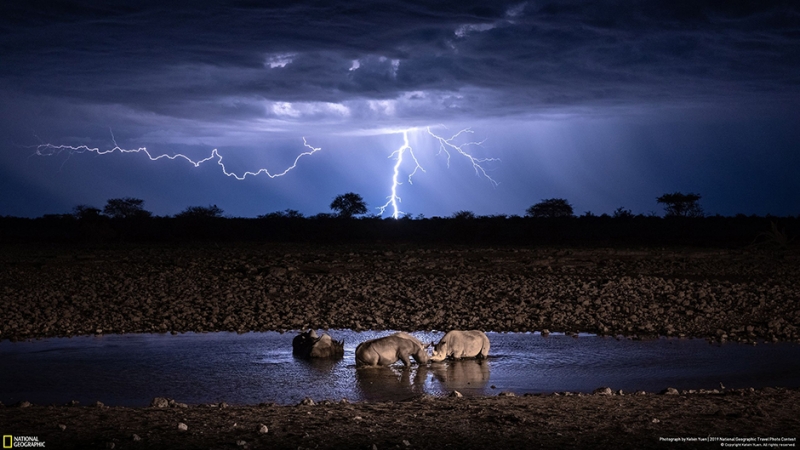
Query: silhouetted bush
x=681, y=205
x=126, y=208
x=200, y=212
x=551, y=208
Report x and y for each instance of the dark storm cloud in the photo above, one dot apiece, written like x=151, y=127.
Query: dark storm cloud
x=236, y=60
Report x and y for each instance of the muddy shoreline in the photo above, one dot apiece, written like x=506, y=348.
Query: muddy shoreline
x=721, y=294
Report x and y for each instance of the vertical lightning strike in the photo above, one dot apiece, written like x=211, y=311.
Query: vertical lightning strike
x=445, y=146
x=50, y=149
x=394, y=199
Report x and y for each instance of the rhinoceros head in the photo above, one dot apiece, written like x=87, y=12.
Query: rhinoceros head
x=440, y=351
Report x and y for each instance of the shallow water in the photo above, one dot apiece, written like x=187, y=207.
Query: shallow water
x=132, y=369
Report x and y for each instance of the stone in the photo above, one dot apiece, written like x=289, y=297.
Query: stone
x=262, y=429
x=182, y=426
x=456, y=394
x=306, y=402
x=160, y=402
x=62, y=426
x=669, y=391
x=603, y=391
x=136, y=438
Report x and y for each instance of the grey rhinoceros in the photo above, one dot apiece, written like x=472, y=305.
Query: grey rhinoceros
x=388, y=350
x=461, y=344
x=310, y=345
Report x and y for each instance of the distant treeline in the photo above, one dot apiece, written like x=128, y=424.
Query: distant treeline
x=770, y=232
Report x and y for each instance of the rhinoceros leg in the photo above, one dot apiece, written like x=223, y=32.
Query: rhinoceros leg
x=403, y=357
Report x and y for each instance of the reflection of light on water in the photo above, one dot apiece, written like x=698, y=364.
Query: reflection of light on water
x=469, y=376
x=259, y=367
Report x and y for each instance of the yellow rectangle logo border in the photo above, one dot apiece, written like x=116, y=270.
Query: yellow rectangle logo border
x=10, y=441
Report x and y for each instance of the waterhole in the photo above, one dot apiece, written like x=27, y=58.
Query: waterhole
x=251, y=368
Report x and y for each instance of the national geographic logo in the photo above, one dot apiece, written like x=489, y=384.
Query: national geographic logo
x=10, y=441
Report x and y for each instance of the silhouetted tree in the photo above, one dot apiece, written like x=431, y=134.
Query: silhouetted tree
x=463, y=215
x=86, y=212
x=348, y=205
x=681, y=205
x=551, y=207
x=200, y=212
x=125, y=208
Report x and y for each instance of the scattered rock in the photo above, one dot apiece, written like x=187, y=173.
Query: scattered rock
x=182, y=426
x=98, y=404
x=669, y=391
x=306, y=402
x=603, y=391
x=62, y=426
x=262, y=429
x=160, y=402
x=136, y=438
x=455, y=394
x=24, y=404
x=506, y=394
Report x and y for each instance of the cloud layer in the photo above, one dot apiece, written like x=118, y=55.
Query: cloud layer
x=367, y=60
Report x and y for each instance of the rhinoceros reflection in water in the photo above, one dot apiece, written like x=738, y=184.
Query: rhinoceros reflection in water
x=384, y=383
x=464, y=376
x=461, y=344
x=388, y=350
x=310, y=345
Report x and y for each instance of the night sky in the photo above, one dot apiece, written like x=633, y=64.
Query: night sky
x=604, y=103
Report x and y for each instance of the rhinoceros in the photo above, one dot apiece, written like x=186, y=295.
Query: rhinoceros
x=388, y=350
x=461, y=344
x=310, y=345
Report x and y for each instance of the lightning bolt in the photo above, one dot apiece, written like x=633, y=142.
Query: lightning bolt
x=446, y=145
x=50, y=150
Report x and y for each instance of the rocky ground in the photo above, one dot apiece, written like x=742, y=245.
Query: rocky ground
x=721, y=294
x=737, y=294
x=769, y=417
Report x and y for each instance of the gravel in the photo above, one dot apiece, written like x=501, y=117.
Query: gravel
x=721, y=294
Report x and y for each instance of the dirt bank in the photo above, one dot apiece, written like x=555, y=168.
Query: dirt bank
x=552, y=422
x=721, y=294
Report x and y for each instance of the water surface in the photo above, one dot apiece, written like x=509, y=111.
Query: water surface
x=251, y=368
